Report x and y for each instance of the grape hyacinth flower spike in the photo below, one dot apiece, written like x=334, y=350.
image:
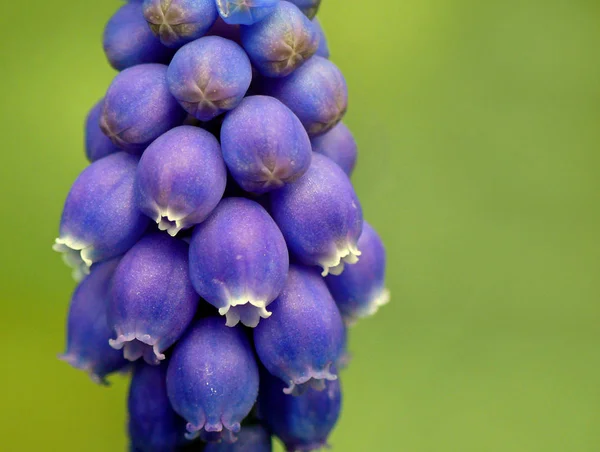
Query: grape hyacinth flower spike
x=282, y=42
x=128, y=40
x=264, y=145
x=209, y=76
x=181, y=178
x=99, y=220
x=212, y=379
x=153, y=425
x=153, y=301
x=360, y=291
x=97, y=145
x=239, y=261
x=177, y=22
x=320, y=217
x=224, y=128
x=303, y=422
x=252, y=438
x=138, y=107
x=316, y=92
x=87, y=328
x=305, y=335
x=245, y=12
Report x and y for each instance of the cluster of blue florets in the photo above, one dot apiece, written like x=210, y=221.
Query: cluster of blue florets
x=218, y=241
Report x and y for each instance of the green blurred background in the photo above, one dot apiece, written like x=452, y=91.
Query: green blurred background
x=477, y=123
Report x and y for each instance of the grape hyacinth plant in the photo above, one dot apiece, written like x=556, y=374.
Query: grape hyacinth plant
x=220, y=248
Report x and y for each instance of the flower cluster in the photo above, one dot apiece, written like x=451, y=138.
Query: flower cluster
x=219, y=245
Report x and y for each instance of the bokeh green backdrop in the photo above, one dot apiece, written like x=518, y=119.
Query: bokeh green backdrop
x=478, y=124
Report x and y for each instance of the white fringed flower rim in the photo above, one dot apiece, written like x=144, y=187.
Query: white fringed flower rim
x=314, y=379
x=76, y=362
x=204, y=429
x=346, y=253
x=135, y=346
x=245, y=309
x=76, y=255
x=380, y=299
x=170, y=221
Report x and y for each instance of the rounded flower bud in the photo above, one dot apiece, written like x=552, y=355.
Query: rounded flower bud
x=264, y=144
x=128, y=41
x=316, y=92
x=177, y=22
x=181, y=178
x=303, y=422
x=239, y=261
x=209, y=76
x=212, y=379
x=152, y=301
x=87, y=328
x=99, y=220
x=282, y=42
x=320, y=217
x=138, y=107
x=304, y=336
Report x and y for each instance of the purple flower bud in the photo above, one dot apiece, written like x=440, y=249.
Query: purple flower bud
x=239, y=261
x=138, y=107
x=128, y=41
x=245, y=12
x=252, y=438
x=177, y=22
x=316, y=92
x=305, y=334
x=87, y=329
x=281, y=43
x=99, y=220
x=320, y=217
x=308, y=7
x=264, y=144
x=303, y=422
x=97, y=145
x=338, y=144
x=209, y=76
x=360, y=290
x=212, y=380
x=323, y=49
x=152, y=301
x=181, y=178
x=153, y=424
